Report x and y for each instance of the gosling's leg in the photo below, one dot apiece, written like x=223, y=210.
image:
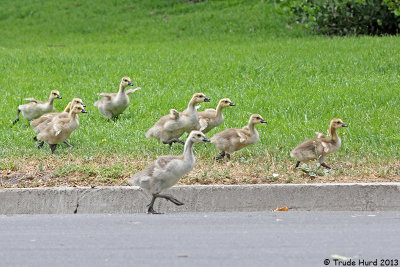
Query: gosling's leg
x=171, y=198
x=324, y=165
x=17, y=119
x=40, y=144
x=174, y=140
x=150, y=209
x=297, y=164
x=177, y=140
x=53, y=147
x=220, y=157
x=68, y=144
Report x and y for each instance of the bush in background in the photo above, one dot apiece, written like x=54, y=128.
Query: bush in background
x=352, y=17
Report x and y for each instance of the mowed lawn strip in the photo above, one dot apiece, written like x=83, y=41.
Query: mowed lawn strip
x=296, y=82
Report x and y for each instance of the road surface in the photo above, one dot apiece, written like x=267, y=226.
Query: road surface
x=200, y=239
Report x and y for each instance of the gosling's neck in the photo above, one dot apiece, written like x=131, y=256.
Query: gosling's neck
x=192, y=106
x=68, y=107
x=334, y=136
x=219, y=111
x=251, y=127
x=188, y=151
x=51, y=100
x=121, y=89
x=73, y=115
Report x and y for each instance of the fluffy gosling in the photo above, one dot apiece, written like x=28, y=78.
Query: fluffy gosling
x=318, y=148
x=60, y=129
x=166, y=171
x=211, y=118
x=232, y=140
x=41, y=123
x=35, y=108
x=111, y=105
x=170, y=127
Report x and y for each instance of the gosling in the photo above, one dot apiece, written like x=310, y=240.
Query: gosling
x=41, y=123
x=232, y=140
x=111, y=105
x=211, y=118
x=60, y=129
x=48, y=117
x=170, y=127
x=166, y=171
x=35, y=108
x=318, y=148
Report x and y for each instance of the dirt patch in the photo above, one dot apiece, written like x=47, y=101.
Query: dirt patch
x=104, y=170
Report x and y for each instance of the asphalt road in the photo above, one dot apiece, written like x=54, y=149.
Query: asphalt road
x=200, y=239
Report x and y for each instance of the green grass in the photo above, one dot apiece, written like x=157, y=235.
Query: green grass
x=243, y=50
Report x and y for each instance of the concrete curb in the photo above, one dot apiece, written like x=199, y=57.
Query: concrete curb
x=204, y=198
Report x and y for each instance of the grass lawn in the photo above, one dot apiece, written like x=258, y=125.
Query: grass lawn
x=243, y=50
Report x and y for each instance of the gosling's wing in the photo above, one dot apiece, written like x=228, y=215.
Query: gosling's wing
x=244, y=134
x=203, y=124
x=59, y=125
x=108, y=96
x=130, y=91
x=32, y=100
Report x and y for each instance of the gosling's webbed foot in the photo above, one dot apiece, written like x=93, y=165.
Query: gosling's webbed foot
x=297, y=164
x=174, y=200
x=68, y=144
x=152, y=211
x=220, y=157
x=324, y=165
x=170, y=198
x=40, y=145
x=53, y=147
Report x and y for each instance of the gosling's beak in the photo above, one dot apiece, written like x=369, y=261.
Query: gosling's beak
x=84, y=111
x=231, y=104
x=344, y=125
x=59, y=97
x=206, y=99
x=130, y=83
x=205, y=139
x=83, y=105
x=263, y=121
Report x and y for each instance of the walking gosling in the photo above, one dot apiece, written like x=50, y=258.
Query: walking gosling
x=170, y=127
x=111, y=105
x=48, y=117
x=41, y=123
x=166, y=171
x=211, y=118
x=60, y=129
x=232, y=140
x=318, y=148
x=36, y=108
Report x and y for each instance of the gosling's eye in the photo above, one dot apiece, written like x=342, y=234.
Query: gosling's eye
x=198, y=135
x=258, y=118
x=201, y=96
x=226, y=101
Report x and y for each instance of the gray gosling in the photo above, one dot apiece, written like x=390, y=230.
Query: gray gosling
x=211, y=118
x=318, y=148
x=170, y=127
x=60, y=129
x=41, y=123
x=35, y=108
x=166, y=171
x=111, y=105
x=232, y=140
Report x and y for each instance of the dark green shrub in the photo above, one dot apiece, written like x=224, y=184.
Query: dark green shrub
x=352, y=17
